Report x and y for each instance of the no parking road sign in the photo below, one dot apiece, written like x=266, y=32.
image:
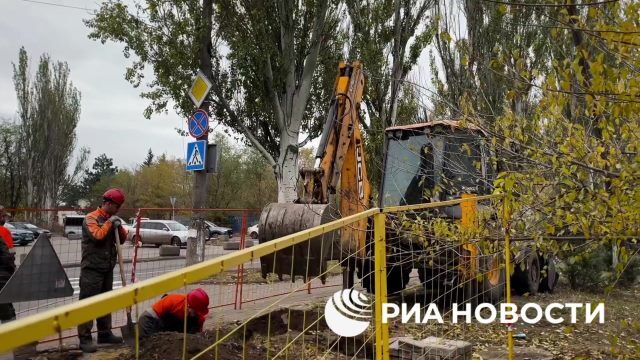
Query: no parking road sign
x=196, y=152
x=199, y=124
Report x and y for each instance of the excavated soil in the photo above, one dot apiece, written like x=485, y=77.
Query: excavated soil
x=288, y=332
x=169, y=346
x=260, y=338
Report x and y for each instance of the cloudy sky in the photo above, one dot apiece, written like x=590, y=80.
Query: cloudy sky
x=111, y=121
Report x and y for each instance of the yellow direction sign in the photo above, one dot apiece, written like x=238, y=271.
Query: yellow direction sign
x=199, y=89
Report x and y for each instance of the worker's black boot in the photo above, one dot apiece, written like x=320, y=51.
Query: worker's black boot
x=87, y=345
x=109, y=338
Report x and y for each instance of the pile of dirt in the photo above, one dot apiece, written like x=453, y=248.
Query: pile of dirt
x=56, y=355
x=168, y=345
x=275, y=330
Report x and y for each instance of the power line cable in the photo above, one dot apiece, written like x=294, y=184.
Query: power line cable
x=59, y=5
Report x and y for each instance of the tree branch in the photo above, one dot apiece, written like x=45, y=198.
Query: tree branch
x=287, y=30
x=304, y=142
x=275, y=101
x=302, y=95
x=235, y=119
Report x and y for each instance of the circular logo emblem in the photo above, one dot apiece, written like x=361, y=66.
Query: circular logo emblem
x=348, y=313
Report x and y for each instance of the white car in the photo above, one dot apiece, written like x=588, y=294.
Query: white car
x=215, y=230
x=161, y=232
x=73, y=225
x=253, y=231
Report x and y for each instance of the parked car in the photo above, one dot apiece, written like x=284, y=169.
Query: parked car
x=73, y=224
x=215, y=230
x=253, y=231
x=20, y=237
x=132, y=221
x=160, y=232
x=34, y=229
x=130, y=228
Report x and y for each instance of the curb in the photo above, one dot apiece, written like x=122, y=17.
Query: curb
x=128, y=261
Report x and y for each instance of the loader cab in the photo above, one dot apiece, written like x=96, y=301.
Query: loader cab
x=435, y=161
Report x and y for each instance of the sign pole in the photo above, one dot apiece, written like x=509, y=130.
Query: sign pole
x=200, y=179
x=173, y=207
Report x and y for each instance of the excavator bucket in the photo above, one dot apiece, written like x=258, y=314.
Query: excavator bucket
x=307, y=259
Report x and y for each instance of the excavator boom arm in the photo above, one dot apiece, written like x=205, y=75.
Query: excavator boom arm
x=340, y=156
x=340, y=166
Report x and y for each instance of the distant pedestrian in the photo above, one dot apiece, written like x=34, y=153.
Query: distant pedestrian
x=7, y=265
x=168, y=313
x=99, y=257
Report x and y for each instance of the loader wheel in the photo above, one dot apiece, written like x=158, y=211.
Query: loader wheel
x=550, y=276
x=491, y=287
x=397, y=277
x=527, y=281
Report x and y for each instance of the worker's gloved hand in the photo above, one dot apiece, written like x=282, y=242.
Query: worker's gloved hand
x=116, y=220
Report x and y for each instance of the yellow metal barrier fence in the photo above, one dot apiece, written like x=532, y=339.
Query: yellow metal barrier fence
x=39, y=326
x=35, y=327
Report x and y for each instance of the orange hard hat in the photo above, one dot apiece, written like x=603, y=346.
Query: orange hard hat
x=198, y=300
x=114, y=195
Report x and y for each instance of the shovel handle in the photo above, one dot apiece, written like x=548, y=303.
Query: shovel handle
x=121, y=265
x=120, y=260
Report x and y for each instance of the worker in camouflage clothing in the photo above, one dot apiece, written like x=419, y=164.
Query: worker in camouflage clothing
x=99, y=257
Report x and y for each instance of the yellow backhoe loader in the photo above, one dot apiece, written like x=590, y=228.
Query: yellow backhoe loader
x=339, y=164
x=434, y=161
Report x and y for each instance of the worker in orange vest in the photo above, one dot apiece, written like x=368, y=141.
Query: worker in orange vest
x=99, y=257
x=5, y=234
x=168, y=313
x=7, y=265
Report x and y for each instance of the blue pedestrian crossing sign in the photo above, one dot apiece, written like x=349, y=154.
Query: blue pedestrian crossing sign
x=196, y=152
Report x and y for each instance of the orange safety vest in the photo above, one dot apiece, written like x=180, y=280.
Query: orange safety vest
x=5, y=234
x=173, y=305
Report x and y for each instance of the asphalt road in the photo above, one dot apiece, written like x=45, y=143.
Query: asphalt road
x=69, y=251
x=149, y=264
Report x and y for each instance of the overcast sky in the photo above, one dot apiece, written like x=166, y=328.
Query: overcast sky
x=111, y=121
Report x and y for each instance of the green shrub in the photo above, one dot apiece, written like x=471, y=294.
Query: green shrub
x=593, y=271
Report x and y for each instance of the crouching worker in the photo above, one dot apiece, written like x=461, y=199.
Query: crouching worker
x=168, y=313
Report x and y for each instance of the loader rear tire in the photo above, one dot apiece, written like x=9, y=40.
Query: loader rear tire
x=527, y=281
x=550, y=276
x=492, y=286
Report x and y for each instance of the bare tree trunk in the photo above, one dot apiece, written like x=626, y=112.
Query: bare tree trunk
x=30, y=198
x=398, y=57
x=47, y=216
x=396, y=80
x=286, y=170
